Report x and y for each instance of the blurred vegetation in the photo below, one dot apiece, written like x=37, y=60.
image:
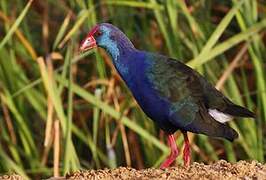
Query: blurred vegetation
x=62, y=111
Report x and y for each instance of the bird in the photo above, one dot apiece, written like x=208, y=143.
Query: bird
x=172, y=94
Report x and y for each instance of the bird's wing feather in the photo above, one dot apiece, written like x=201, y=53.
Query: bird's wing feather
x=203, y=91
x=180, y=85
x=216, y=100
x=190, y=96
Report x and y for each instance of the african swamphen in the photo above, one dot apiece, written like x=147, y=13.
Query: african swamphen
x=172, y=94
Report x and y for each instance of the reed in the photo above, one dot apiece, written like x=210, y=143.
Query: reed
x=63, y=111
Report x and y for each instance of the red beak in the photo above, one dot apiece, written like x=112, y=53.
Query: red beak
x=88, y=43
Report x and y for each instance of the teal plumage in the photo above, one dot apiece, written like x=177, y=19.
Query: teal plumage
x=190, y=96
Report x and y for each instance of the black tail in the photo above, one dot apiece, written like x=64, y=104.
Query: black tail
x=230, y=133
x=238, y=111
x=205, y=124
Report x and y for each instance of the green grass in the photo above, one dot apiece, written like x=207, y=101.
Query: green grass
x=43, y=79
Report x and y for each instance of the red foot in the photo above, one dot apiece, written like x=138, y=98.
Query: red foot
x=174, y=152
x=186, y=151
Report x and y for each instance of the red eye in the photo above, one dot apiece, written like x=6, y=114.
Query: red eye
x=97, y=33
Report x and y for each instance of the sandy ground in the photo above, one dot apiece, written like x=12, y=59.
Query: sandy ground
x=220, y=170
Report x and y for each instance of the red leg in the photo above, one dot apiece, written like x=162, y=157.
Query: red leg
x=174, y=152
x=186, y=151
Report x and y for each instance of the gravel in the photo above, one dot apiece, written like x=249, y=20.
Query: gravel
x=241, y=170
x=219, y=170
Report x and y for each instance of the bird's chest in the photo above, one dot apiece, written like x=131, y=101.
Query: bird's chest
x=146, y=96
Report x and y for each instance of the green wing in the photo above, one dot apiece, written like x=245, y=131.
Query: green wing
x=180, y=85
x=190, y=96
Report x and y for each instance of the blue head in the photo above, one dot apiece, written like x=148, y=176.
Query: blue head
x=109, y=38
